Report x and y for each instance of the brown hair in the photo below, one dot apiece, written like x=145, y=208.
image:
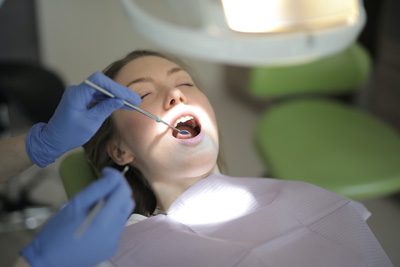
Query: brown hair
x=96, y=147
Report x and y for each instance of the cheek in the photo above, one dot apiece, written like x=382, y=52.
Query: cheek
x=206, y=105
x=212, y=121
x=131, y=126
x=141, y=135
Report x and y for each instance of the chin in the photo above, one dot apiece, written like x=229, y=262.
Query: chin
x=203, y=166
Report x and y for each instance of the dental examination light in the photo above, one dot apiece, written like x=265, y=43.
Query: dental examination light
x=249, y=32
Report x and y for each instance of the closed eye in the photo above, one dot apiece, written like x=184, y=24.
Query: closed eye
x=143, y=96
x=187, y=84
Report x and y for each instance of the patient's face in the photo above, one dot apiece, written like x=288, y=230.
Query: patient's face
x=169, y=92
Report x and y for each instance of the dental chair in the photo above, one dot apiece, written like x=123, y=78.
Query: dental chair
x=317, y=138
x=76, y=172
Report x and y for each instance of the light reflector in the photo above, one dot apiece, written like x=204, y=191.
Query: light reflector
x=259, y=16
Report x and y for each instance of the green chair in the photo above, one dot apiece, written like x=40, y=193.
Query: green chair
x=76, y=173
x=323, y=141
x=342, y=73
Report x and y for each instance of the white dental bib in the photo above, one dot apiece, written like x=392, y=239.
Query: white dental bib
x=225, y=221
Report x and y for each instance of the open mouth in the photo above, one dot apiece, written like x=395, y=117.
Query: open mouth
x=186, y=123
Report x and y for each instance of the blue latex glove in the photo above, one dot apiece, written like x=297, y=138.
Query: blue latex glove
x=56, y=245
x=74, y=122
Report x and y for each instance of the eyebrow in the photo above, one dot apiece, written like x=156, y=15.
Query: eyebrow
x=149, y=79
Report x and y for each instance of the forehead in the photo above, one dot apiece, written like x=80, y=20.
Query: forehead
x=147, y=66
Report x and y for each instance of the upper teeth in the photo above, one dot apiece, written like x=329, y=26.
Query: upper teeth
x=182, y=120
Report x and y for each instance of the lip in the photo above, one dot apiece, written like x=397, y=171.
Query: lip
x=190, y=141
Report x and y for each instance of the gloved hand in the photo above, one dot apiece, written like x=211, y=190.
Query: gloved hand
x=75, y=121
x=55, y=245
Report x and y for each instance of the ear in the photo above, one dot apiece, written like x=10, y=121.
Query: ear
x=119, y=154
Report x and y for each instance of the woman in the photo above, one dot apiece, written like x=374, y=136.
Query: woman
x=162, y=151
x=205, y=218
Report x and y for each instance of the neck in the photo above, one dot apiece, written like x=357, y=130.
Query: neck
x=167, y=192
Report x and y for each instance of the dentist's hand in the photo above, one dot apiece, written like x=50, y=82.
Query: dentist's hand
x=56, y=245
x=75, y=120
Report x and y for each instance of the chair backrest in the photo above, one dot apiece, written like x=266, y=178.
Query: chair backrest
x=344, y=72
x=330, y=144
x=76, y=173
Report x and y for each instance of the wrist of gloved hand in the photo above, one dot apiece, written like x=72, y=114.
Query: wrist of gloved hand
x=38, y=150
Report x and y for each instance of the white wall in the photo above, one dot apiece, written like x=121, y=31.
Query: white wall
x=78, y=37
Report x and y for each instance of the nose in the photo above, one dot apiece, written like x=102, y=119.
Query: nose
x=174, y=97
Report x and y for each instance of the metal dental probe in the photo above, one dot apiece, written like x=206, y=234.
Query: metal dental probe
x=157, y=119
x=89, y=218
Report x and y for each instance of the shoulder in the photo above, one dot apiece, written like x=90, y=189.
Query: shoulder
x=304, y=200
x=291, y=189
